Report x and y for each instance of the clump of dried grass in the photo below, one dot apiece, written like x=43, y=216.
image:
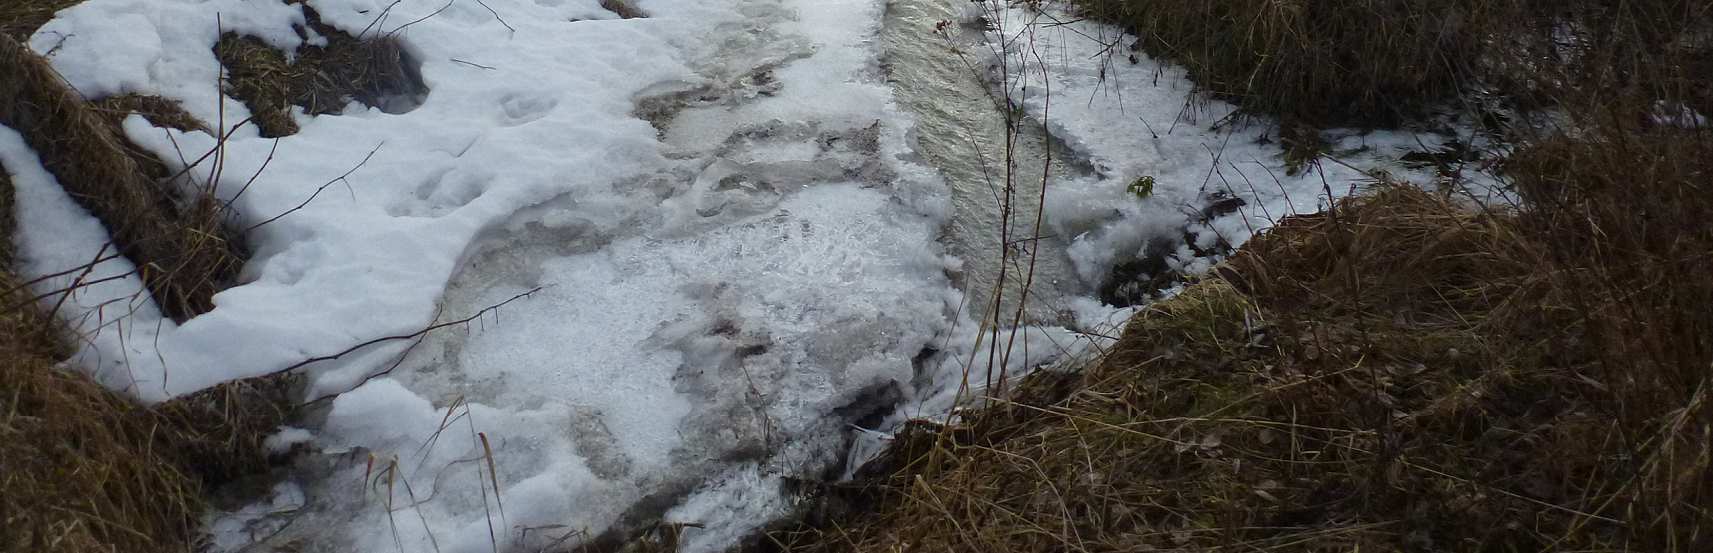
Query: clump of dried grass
x=1382, y=62
x=179, y=242
x=1400, y=373
x=83, y=472
x=85, y=469
x=160, y=112
x=623, y=9
x=20, y=18
x=1371, y=62
x=319, y=79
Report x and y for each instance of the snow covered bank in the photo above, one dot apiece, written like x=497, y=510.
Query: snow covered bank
x=1214, y=182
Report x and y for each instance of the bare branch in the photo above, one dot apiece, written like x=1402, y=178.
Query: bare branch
x=401, y=337
x=311, y=198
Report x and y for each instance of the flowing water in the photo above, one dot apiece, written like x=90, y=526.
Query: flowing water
x=942, y=78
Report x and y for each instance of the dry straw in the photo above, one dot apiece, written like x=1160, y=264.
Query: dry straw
x=372, y=70
x=85, y=469
x=1398, y=374
x=177, y=240
x=1404, y=372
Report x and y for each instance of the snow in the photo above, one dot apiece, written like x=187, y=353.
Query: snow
x=710, y=299
x=710, y=302
x=1144, y=119
x=104, y=303
x=232, y=531
x=282, y=442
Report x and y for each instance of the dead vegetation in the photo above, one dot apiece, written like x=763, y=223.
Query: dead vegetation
x=373, y=70
x=623, y=9
x=1379, y=63
x=1398, y=374
x=1405, y=372
x=177, y=240
x=20, y=18
x=88, y=470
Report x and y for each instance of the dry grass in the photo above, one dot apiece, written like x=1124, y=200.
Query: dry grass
x=159, y=111
x=1380, y=62
x=82, y=472
x=320, y=80
x=1366, y=62
x=1403, y=372
x=1400, y=374
x=20, y=18
x=623, y=9
x=179, y=243
x=86, y=469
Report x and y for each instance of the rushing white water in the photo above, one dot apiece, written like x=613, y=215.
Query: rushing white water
x=937, y=53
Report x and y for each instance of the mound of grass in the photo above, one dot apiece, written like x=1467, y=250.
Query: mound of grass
x=374, y=71
x=1398, y=374
x=623, y=9
x=1363, y=62
x=177, y=240
x=1381, y=62
x=20, y=18
x=159, y=111
x=85, y=469
x=1403, y=372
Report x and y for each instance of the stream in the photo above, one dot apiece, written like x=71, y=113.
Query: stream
x=961, y=132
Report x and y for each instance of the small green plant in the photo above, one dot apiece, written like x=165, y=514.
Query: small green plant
x=1142, y=187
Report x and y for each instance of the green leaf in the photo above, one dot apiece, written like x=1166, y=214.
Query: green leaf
x=1143, y=187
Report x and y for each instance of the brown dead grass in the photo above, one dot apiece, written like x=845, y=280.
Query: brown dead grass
x=20, y=18
x=159, y=111
x=1399, y=374
x=623, y=9
x=320, y=80
x=85, y=469
x=81, y=470
x=1382, y=62
x=179, y=243
x=88, y=470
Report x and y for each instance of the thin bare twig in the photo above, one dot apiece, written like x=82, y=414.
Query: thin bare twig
x=311, y=198
x=400, y=337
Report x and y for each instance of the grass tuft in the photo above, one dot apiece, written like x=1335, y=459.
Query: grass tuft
x=86, y=469
x=1400, y=373
x=20, y=18
x=178, y=241
x=374, y=71
x=1383, y=62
